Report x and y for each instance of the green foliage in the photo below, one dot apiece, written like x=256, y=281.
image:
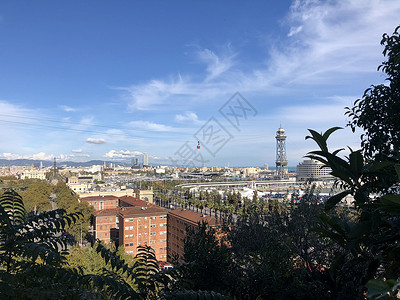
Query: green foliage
x=68, y=200
x=36, y=196
x=269, y=252
x=32, y=249
x=377, y=112
x=369, y=243
x=208, y=258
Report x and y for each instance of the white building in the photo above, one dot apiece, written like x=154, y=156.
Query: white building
x=34, y=174
x=312, y=169
x=145, y=159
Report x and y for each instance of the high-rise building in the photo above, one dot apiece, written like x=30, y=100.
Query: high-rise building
x=134, y=162
x=281, y=161
x=145, y=159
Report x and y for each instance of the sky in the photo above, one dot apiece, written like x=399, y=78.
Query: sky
x=110, y=80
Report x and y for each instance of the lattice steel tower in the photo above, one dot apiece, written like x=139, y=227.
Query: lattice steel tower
x=281, y=161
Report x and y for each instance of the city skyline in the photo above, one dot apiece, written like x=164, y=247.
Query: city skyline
x=111, y=81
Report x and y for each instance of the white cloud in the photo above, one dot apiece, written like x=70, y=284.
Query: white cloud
x=95, y=141
x=65, y=157
x=189, y=116
x=77, y=151
x=38, y=156
x=122, y=154
x=329, y=39
x=67, y=108
x=156, y=92
x=150, y=126
x=216, y=65
x=328, y=43
x=295, y=30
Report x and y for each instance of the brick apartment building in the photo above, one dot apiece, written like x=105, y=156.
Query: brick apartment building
x=130, y=222
x=106, y=225
x=144, y=226
x=178, y=220
x=101, y=202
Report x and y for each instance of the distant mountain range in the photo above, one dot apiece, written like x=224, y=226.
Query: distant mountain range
x=47, y=163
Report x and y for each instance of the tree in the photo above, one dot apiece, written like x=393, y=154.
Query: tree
x=68, y=200
x=370, y=243
x=32, y=249
x=208, y=259
x=377, y=112
x=37, y=196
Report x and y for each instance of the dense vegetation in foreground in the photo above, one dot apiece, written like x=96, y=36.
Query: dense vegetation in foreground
x=302, y=251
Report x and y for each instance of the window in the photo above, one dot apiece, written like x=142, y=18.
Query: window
x=131, y=235
x=126, y=235
x=131, y=227
x=111, y=219
x=145, y=226
x=140, y=218
x=131, y=244
x=127, y=228
x=140, y=234
x=101, y=227
x=126, y=245
x=101, y=219
x=161, y=225
x=153, y=225
x=145, y=218
x=101, y=235
x=145, y=234
x=131, y=219
x=140, y=226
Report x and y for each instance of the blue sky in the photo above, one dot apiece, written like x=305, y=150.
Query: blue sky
x=109, y=80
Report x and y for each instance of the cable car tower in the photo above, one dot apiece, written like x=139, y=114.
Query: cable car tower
x=281, y=161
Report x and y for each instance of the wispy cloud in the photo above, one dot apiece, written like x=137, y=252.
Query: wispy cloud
x=95, y=141
x=188, y=116
x=150, y=126
x=67, y=108
x=216, y=65
x=327, y=43
x=77, y=151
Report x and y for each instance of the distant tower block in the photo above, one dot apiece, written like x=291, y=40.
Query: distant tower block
x=55, y=168
x=281, y=161
x=145, y=159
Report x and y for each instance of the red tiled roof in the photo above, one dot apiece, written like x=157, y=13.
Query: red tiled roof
x=107, y=212
x=142, y=211
x=192, y=216
x=133, y=201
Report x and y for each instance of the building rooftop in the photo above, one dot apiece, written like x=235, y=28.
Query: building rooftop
x=193, y=217
x=106, y=212
x=132, y=201
x=135, y=211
